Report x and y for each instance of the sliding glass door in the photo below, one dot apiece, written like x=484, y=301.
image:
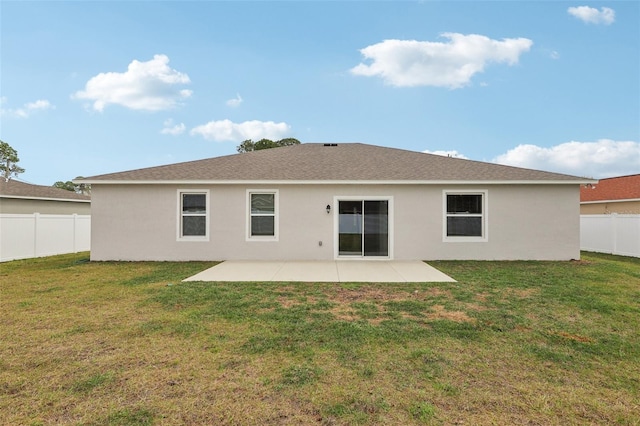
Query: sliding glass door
x=350, y=228
x=376, y=228
x=363, y=228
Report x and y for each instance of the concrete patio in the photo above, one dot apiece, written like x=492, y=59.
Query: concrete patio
x=323, y=271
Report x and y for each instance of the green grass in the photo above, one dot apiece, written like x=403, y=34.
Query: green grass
x=120, y=343
x=87, y=385
x=126, y=417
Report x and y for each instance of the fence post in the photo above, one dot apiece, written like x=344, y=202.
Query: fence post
x=614, y=233
x=36, y=219
x=75, y=225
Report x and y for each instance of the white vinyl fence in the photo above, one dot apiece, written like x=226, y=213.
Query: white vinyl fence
x=611, y=233
x=23, y=236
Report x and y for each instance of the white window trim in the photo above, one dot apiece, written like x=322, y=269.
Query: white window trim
x=336, y=225
x=485, y=216
x=198, y=238
x=276, y=215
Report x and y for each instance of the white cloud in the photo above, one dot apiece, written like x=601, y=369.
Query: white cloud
x=171, y=129
x=409, y=63
x=604, y=158
x=226, y=130
x=591, y=15
x=26, y=110
x=146, y=86
x=235, y=102
x=453, y=153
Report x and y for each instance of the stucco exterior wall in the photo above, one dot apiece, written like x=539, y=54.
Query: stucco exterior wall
x=27, y=206
x=608, y=207
x=140, y=222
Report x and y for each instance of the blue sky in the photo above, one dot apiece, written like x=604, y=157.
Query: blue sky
x=91, y=87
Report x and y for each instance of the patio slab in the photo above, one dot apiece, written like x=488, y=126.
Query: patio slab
x=323, y=271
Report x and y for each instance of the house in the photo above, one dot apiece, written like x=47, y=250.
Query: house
x=612, y=195
x=24, y=198
x=334, y=201
x=40, y=221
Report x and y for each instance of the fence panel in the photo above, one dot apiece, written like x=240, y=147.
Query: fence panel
x=17, y=236
x=611, y=233
x=23, y=236
x=82, y=235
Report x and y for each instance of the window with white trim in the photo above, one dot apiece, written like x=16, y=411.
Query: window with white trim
x=193, y=215
x=263, y=215
x=465, y=216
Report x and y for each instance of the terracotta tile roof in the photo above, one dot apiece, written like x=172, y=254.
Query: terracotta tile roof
x=17, y=189
x=336, y=163
x=616, y=188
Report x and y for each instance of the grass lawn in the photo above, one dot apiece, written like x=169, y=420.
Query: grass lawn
x=536, y=343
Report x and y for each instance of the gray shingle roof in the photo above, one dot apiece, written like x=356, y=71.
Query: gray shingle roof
x=349, y=162
x=17, y=189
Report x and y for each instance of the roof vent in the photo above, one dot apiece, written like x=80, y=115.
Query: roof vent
x=330, y=144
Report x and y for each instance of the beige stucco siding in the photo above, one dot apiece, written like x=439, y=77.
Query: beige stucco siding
x=29, y=206
x=608, y=207
x=524, y=222
x=140, y=222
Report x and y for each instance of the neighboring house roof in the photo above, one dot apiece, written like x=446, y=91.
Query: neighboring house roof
x=16, y=189
x=333, y=163
x=612, y=189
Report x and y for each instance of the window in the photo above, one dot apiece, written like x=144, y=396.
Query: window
x=263, y=222
x=465, y=216
x=193, y=215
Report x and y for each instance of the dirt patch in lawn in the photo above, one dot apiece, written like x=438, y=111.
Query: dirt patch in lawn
x=574, y=337
x=373, y=294
x=439, y=312
x=374, y=304
x=520, y=293
x=287, y=302
x=344, y=314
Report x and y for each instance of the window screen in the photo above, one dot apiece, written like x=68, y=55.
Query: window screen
x=194, y=215
x=464, y=215
x=263, y=214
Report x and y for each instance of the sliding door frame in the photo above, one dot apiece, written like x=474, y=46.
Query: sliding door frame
x=336, y=225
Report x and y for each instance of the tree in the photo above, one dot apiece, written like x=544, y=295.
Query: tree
x=288, y=142
x=83, y=188
x=8, y=161
x=246, y=146
x=67, y=186
x=249, y=145
x=80, y=188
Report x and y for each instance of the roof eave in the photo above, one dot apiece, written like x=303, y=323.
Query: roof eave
x=577, y=181
x=24, y=197
x=621, y=200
